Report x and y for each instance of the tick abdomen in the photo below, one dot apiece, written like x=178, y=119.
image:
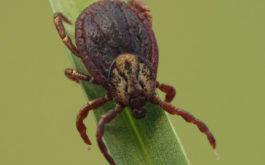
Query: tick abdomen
x=108, y=29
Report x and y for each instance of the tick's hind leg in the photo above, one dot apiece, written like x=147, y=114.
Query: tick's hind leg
x=76, y=76
x=186, y=116
x=106, y=118
x=58, y=21
x=83, y=114
x=169, y=90
x=140, y=5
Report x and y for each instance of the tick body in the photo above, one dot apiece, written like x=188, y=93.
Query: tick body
x=116, y=43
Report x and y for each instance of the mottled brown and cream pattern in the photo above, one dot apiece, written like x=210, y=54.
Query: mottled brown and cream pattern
x=130, y=77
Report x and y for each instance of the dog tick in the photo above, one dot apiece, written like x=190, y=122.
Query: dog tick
x=116, y=43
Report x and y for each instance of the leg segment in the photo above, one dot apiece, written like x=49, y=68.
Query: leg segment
x=169, y=90
x=186, y=116
x=83, y=114
x=76, y=76
x=106, y=118
x=140, y=5
x=58, y=21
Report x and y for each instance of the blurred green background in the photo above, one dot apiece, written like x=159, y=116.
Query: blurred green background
x=213, y=52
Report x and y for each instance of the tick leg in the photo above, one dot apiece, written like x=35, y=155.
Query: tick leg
x=76, y=76
x=186, y=116
x=169, y=90
x=106, y=118
x=83, y=114
x=58, y=21
x=140, y=5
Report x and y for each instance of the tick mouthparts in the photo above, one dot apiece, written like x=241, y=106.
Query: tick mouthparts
x=137, y=102
x=139, y=112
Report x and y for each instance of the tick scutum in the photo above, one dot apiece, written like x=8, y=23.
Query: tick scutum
x=131, y=77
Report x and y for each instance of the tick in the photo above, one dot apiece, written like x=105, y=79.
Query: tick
x=117, y=45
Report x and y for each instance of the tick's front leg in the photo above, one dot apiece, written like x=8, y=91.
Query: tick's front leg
x=76, y=76
x=83, y=114
x=58, y=21
x=106, y=118
x=169, y=90
x=140, y=5
x=186, y=116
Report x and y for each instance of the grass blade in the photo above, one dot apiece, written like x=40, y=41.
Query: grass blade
x=149, y=141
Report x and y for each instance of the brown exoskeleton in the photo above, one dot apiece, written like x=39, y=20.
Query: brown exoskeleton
x=117, y=45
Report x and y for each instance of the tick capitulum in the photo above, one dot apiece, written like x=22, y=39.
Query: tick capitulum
x=116, y=43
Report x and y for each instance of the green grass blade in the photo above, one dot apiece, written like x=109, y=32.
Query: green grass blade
x=149, y=141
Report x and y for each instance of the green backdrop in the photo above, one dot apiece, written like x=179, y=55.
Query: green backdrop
x=213, y=52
